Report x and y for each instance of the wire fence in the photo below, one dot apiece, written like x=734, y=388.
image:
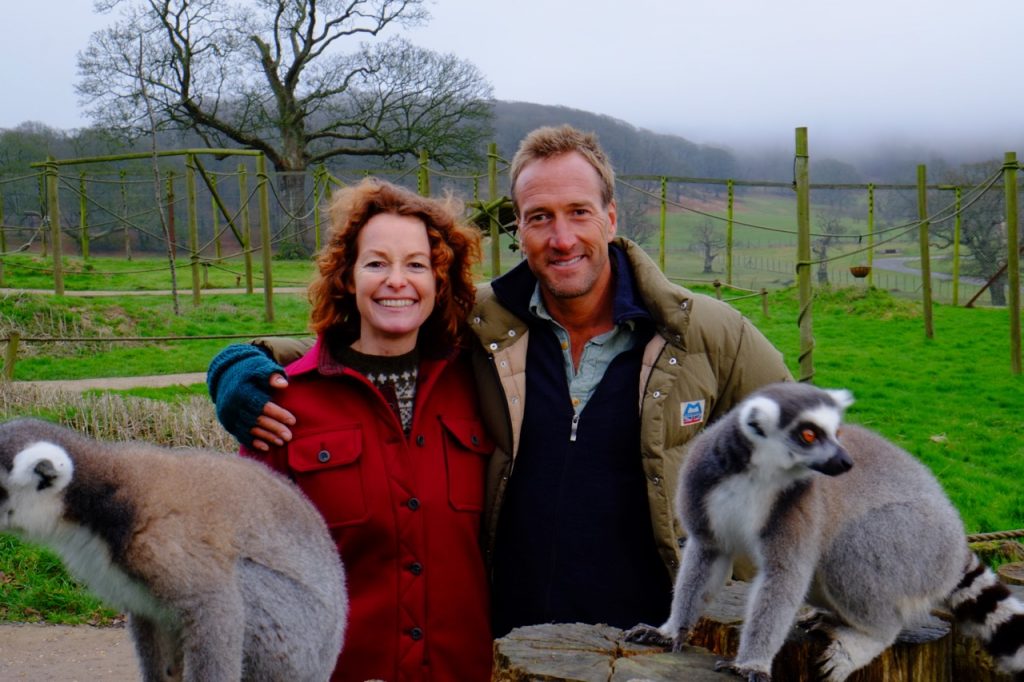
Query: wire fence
x=947, y=243
x=698, y=228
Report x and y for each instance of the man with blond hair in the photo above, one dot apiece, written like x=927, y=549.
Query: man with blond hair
x=594, y=372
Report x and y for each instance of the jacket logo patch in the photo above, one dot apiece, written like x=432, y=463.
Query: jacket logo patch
x=692, y=412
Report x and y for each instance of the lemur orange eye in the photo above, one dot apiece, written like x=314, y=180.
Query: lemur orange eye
x=808, y=436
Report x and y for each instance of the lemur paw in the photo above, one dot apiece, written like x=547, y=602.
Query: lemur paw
x=749, y=674
x=648, y=634
x=817, y=622
x=835, y=664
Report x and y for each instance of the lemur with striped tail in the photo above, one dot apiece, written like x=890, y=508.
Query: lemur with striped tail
x=847, y=522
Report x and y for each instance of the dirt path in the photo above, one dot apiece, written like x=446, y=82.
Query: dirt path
x=120, y=382
x=63, y=653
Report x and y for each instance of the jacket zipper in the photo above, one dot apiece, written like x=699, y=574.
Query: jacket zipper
x=575, y=424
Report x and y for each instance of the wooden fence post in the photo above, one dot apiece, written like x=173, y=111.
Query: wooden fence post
x=83, y=224
x=124, y=215
x=957, y=225
x=805, y=317
x=11, y=355
x=243, y=196
x=171, y=237
x=926, y=267
x=1012, y=257
x=319, y=187
x=494, y=224
x=215, y=218
x=871, y=235
x=3, y=240
x=728, y=232
x=44, y=237
x=268, y=277
x=193, y=226
x=663, y=222
x=423, y=177
x=53, y=214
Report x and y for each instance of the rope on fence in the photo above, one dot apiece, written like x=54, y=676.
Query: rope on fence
x=20, y=178
x=938, y=217
x=998, y=535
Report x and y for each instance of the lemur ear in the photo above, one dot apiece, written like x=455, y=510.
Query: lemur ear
x=46, y=472
x=842, y=397
x=759, y=416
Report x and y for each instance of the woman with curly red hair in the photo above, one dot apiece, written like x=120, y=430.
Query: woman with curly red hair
x=388, y=442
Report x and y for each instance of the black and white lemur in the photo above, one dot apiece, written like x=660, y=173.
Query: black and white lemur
x=226, y=569
x=838, y=518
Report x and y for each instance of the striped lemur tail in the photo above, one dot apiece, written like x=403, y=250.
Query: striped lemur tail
x=986, y=609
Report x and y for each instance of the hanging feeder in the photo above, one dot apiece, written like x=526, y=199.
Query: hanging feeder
x=860, y=271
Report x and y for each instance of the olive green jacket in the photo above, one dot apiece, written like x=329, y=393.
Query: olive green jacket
x=704, y=350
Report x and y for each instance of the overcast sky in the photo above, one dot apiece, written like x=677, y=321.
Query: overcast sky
x=937, y=73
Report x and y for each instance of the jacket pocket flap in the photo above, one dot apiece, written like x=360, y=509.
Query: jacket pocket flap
x=469, y=433
x=316, y=452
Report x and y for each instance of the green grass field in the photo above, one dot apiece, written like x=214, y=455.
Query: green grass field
x=951, y=400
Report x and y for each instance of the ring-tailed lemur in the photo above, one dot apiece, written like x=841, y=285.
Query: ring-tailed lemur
x=851, y=524
x=227, y=571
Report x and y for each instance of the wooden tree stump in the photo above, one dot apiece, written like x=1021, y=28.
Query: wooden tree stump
x=1012, y=574
x=576, y=652
x=597, y=653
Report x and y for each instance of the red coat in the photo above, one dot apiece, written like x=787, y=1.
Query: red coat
x=404, y=512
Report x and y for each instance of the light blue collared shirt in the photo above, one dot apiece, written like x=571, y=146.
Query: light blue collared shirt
x=597, y=354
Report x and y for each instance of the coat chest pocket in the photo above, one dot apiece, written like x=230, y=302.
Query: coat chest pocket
x=466, y=450
x=328, y=467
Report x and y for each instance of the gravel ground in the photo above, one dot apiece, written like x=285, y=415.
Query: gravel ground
x=64, y=653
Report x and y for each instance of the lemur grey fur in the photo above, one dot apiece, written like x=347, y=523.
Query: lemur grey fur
x=226, y=569
x=851, y=524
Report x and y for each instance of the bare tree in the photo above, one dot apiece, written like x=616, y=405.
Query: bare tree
x=832, y=228
x=634, y=216
x=710, y=243
x=274, y=75
x=983, y=226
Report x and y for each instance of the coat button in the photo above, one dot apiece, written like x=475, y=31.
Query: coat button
x=416, y=633
x=415, y=568
x=323, y=456
x=413, y=503
x=420, y=440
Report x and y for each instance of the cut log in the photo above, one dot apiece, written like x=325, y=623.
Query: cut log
x=1012, y=574
x=585, y=653
x=574, y=652
x=921, y=654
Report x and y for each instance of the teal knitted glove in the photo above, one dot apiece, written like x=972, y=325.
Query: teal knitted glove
x=239, y=383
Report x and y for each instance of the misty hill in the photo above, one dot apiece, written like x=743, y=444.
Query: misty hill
x=632, y=150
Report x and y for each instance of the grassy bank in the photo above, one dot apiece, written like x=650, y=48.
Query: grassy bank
x=950, y=400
